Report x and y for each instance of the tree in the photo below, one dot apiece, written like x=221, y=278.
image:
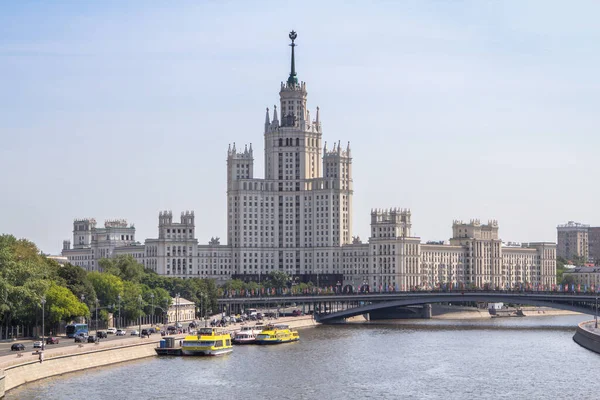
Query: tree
x=125, y=267
x=278, y=279
x=106, y=286
x=63, y=305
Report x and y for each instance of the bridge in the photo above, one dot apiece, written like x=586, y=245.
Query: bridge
x=337, y=307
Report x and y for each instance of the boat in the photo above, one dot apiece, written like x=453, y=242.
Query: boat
x=277, y=334
x=207, y=342
x=247, y=335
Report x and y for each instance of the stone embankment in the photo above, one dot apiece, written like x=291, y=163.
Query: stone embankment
x=27, y=368
x=588, y=336
x=474, y=313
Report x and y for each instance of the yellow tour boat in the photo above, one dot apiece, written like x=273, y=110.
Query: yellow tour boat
x=207, y=342
x=276, y=334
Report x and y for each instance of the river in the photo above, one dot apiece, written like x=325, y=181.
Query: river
x=504, y=358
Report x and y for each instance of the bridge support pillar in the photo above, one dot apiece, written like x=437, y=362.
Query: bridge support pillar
x=427, y=311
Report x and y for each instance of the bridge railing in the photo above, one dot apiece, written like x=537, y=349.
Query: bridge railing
x=237, y=294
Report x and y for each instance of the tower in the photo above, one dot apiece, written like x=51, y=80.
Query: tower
x=82, y=232
x=292, y=145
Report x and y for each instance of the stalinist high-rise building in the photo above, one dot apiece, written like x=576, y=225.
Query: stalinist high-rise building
x=298, y=219
x=302, y=209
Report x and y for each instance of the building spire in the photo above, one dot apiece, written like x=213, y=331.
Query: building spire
x=293, y=79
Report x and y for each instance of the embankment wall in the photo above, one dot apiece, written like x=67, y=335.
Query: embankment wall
x=587, y=336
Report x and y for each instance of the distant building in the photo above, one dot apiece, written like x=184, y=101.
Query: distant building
x=594, y=244
x=298, y=220
x=181, y=310
x=572, y=241
x=91, y=244
x=584, y=276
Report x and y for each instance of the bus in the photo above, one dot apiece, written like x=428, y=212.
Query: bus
x=76, y=329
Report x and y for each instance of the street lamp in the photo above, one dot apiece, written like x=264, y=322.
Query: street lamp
x=152, y=317
x=119, y=320
x=140, y=316
x=96, y=301
x=596, y=325
x=177, y=311
x=82, y=298
x=43, y=321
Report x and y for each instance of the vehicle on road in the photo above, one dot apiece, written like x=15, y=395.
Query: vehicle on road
x=17, y=347
x=146, y=332
x=134, y=333
x=111, y=331
x=101, y=334
x=81, y=338
x=92, y=339
x=37, y=344
x=75, y=329
x=121, y=332
x=51, y=340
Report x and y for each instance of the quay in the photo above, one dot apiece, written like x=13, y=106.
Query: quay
x=588, y=336
x=21, y=368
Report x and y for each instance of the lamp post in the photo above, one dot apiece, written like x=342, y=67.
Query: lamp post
x=201, y=304
x=140, y=316
x=43, y=321
x=96, y=301
x=596, y=324
x=82, y=298
x=177, y=311
x=119, y=320
x=152, y=315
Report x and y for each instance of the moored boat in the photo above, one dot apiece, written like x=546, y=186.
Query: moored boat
x=247, y=335
x=277, y=334
x=207, y=342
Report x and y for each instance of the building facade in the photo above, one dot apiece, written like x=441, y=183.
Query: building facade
x=572, y=240
x=298, y=219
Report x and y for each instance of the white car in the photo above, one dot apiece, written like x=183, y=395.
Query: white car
x=135, y=333
x=111, y=331
x=121, y=332
x=37, y=345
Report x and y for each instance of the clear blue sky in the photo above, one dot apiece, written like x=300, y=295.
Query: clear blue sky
x=455, y=109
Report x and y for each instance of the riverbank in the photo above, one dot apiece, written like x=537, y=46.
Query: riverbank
x=464, y=313
x=20, y=370
x=588, y=336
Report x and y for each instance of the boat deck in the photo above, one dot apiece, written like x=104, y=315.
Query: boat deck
x=168, y=351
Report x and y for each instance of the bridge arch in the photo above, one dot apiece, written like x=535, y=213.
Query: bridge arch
x=564, y=304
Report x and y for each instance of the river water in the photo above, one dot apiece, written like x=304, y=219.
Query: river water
x=508, y=358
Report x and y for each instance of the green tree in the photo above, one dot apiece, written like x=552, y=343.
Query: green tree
x=107, y=287
x=278, y=279
x=63, y=305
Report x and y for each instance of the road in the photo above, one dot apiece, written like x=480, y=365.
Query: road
x=63, y=342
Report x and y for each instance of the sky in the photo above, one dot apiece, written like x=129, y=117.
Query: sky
x=454, y=109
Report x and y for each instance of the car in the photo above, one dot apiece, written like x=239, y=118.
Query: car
x=92, y=339
x=51, y=340
x=37, y=345
x=111, y=331
x=134, y=333
x=121, y=332
x=146, y=332
x=17, y=347
x=81, y=338
x=151, y=330
x=102, y=334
